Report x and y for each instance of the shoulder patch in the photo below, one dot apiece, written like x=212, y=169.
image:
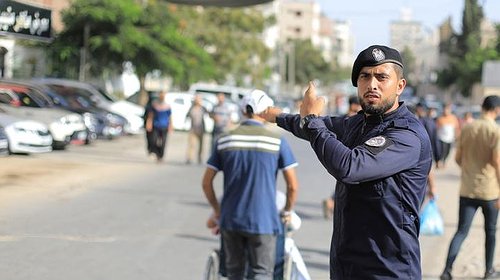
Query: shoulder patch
x=377, y=144
x=377, y=141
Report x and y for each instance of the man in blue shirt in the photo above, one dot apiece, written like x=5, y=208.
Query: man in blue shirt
x=249, y=157
x=380, y=158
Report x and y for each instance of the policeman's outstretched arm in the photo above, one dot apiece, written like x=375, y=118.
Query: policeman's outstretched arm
x=270, y=114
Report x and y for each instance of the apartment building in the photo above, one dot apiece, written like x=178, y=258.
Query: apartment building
x=421, y=41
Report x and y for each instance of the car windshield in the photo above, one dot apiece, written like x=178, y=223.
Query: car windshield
x=105, y=94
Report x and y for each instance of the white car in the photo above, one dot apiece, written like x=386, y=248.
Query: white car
x=180, y=103
x=25, y=136
x=133, y=113
x=4, y=143
x=25, y=102
x=62, y=124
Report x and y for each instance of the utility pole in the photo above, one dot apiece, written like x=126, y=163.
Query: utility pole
x=291, y=67
x=84, y=50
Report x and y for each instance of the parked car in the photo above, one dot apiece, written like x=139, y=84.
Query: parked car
x=180, y=103
x=45, y=97
x=25, y=136
x=106, y=124
x=133, y=113
x=4, y=142
x=63, y=125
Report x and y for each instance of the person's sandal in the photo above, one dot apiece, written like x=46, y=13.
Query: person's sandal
x=492, y=274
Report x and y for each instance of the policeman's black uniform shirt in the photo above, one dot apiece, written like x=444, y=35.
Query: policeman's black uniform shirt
x=381, y=164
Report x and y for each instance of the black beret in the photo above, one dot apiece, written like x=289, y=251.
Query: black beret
x=372, y=56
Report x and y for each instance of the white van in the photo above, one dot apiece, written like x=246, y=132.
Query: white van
x=232, y=93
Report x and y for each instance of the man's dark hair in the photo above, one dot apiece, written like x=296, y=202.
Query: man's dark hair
x=353, y=100
x=249, y=111
x=491, y=102
x=399, y=70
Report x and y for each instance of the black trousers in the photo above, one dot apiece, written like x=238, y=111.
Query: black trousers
x=149, y=141
x=158, y=141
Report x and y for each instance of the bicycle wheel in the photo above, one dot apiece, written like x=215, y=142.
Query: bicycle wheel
x=212, y=266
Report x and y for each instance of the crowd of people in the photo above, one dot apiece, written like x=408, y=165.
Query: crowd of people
x=381, y=155
x=158, y=124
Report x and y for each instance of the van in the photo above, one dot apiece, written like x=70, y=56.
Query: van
x=232, y=93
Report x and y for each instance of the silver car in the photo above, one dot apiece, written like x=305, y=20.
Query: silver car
x=62, y=124
x=25, y=136
x=131, y=112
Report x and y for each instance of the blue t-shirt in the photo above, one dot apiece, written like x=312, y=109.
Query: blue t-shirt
x=250, y=157
x=161, y=118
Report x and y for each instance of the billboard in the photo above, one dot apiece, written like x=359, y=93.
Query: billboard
x=30, y=22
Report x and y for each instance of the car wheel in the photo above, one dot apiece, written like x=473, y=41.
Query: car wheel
x=56, y=145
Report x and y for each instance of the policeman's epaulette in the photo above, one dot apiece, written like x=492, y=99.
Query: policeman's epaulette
x=400, y=123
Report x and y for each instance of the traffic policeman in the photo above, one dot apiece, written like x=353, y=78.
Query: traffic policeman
x=381, y=158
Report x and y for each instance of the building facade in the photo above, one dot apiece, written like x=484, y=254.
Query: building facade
x=22, y=22
x=422, y=43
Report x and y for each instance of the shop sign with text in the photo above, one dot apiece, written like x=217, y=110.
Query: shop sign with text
x=24, y=20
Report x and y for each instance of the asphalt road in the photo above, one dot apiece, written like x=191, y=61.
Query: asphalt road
x=107, y=211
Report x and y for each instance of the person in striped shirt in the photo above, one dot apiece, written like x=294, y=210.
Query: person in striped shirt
x=250, y=157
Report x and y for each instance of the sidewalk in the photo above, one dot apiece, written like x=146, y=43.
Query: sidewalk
x=470, y=261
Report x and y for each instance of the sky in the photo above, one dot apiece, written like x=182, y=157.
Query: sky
x=370, y=19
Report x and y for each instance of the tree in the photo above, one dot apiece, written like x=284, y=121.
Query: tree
x=466, y=56
x=232, y=36
x=310, y=63
x=111, y=32
x=409, y=63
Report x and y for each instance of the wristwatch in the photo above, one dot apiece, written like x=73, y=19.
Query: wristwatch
x=305, y=120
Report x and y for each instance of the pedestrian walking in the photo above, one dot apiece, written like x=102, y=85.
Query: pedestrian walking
x=197, y=131
x=478, y=155
x=249, y=157
x=448, y=129
x=147, y=109
x=221, y=114
x=430, y=126
x=159, y=124
x=380, y=159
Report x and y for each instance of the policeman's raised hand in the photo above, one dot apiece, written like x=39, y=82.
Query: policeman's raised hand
x=270, y=114
x=311, y=103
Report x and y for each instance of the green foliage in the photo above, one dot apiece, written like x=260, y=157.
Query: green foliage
x=232, y=36
x=186, y=43
x=466, y=56
x=123, y=30
x=409, y=63
x=310, y=63
x=498, y=38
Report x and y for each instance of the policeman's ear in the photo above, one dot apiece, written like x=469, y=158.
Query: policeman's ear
x=401, y=86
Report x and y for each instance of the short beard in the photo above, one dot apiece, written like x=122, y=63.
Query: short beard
x=371, y=109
